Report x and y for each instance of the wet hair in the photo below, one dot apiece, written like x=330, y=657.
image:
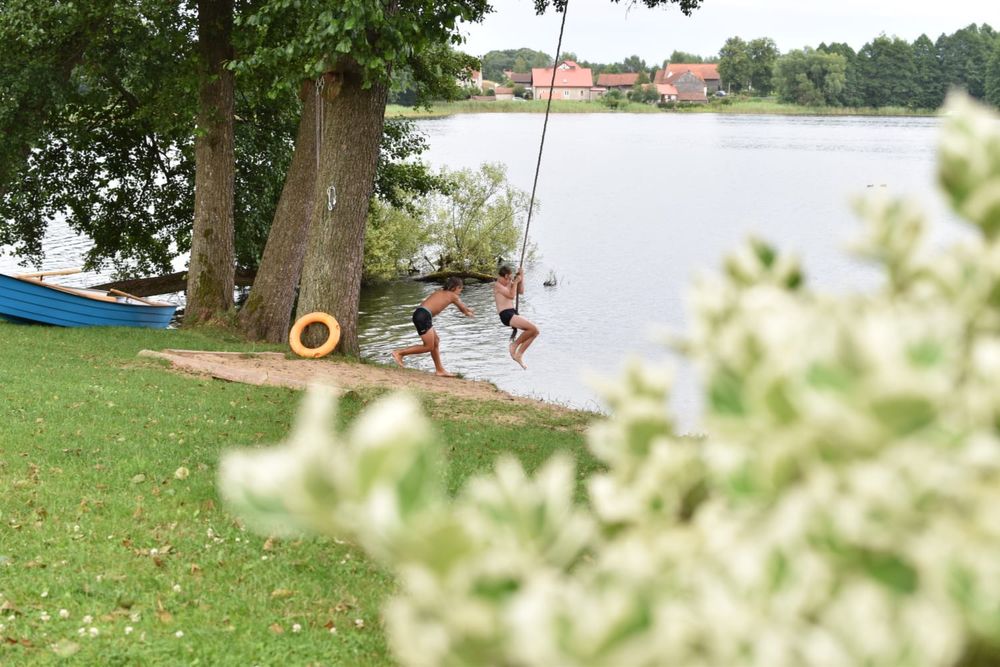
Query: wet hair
x=505, y=270
x=452, y=283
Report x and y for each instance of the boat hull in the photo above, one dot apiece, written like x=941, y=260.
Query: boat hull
x=30, y=301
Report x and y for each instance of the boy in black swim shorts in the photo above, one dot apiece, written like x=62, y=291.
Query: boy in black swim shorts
x=424, y=323
x=505, y=291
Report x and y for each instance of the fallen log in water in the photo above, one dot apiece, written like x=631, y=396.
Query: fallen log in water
x=441, y=276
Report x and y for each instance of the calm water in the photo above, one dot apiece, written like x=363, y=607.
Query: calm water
x=633, y=207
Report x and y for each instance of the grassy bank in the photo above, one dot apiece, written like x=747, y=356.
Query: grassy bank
x=109, y=554
x=751, y=106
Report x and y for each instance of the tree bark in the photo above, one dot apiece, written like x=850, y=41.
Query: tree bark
x=268, y=310
x=213, y=256
x=352, y=135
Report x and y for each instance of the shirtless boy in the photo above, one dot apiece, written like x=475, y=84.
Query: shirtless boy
x=428, y=308
x=505, y=290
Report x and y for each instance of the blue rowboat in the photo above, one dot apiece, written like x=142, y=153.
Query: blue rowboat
x=29, y=300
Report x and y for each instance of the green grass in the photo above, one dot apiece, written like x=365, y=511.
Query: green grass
x=723, y=106
x=94, y=521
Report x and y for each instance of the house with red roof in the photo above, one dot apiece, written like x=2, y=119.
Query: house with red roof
x=572, y=82
x=694, y=81
x=621, y=82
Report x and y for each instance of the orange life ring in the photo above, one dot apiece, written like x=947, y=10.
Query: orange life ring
x=295, y=335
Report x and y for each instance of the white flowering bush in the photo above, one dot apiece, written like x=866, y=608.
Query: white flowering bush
x=843, y=508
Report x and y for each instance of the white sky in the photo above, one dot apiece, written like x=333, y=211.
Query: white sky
x=599, y=31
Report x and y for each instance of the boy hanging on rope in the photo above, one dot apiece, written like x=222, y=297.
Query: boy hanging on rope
x=422, y=320
x=505, y=290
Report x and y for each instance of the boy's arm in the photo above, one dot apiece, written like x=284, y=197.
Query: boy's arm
x=520, y=281
x=468, y=312
x=507, y=291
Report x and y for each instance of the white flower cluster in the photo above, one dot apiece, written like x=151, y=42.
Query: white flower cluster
x=844, y=508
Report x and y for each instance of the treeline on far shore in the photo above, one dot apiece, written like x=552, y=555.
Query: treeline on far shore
x=888, y=71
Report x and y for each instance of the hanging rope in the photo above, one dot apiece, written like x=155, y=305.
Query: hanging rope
x=318, y=115
x=538, y=165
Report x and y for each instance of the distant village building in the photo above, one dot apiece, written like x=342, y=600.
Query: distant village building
x=694, y=81
x=572, y=82
x=620, y=82
x=501, y=93
x=518, y=78
x=471, y=77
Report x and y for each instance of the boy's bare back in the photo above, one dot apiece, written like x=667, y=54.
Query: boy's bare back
x=441, y=299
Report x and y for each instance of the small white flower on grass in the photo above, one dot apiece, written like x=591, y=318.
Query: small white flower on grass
x=179, y=634
x=359, y=623
x=177, y=588
x=128, y=629
x=81, y=631
x=182, y=473
x=135, y=617
x=45, y=594
x=63, y=613
x=333, y=629
x=44, y=616
x=263, y=557
x=296, y=627
x=94, y=632
x=88, y=619
x=154, y=551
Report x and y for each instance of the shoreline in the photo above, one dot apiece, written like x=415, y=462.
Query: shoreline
x=758, y=107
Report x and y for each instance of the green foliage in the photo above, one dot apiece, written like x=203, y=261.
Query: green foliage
x=763, y=54
x=735, y=67
x=685, y=57
x=393, y=240
x=810, y=77
x=928, y=85
x=964, y=56
x=992, y=84
x=478, y=221
x=517, y=60
x=888, y=73
x=851, y=95
x=401, y=180
x=839, y=511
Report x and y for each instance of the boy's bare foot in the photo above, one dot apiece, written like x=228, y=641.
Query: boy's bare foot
x=518, y=360
x=444, y=374
x=399, y=358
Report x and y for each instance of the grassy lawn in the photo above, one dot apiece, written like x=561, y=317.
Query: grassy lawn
x=108, y=556
x=723, y=106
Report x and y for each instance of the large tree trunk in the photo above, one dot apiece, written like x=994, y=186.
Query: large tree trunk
x=331, y=276
x=213, y=256
x=268, y=310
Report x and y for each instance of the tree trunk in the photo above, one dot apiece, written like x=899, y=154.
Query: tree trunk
x=331, y=276
x=213, y=256
x=268, y=310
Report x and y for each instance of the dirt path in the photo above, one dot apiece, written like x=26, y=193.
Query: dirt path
x=273, y=368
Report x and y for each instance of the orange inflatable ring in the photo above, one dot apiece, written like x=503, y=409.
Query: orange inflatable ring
x=295, y=335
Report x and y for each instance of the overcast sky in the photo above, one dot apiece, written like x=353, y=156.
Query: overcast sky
x=599, y=31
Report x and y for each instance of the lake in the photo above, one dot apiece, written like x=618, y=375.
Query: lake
x=633, y=207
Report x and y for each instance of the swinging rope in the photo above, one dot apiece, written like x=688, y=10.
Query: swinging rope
x=538, y=165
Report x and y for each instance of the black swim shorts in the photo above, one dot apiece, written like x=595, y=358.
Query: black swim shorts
x=422, y=320
x=507, y=315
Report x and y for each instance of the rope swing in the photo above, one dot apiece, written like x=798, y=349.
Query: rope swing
x=541, y=148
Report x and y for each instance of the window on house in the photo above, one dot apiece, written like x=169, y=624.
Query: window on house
x=565, y=93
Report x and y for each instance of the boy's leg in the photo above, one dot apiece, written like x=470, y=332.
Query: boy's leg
x=428, y=338
x=529, y=332
x=436, y=356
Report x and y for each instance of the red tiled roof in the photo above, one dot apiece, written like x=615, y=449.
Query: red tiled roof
x=665, y=89
x=520, y=77
x=613, y=80
x=705, y=71
x=500, y=90
x=573, y=76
